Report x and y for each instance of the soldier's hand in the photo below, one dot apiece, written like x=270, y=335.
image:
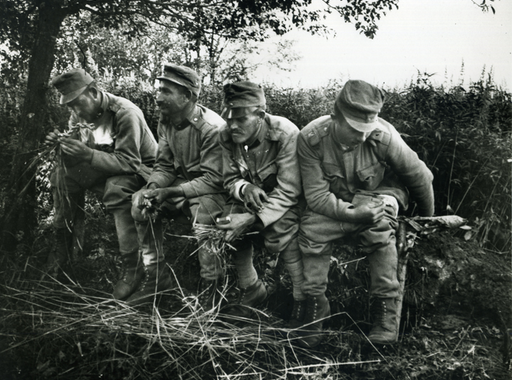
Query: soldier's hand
x=76, y=148
x=235, y=224
x=254, y=197
x=52, y=138
x=160, y=195
x=366, y=213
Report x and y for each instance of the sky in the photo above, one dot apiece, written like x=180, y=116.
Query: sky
x=429, y=36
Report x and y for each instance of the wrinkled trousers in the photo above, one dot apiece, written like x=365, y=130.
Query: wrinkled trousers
x=69, y=184
x=202, y=210
x=279, y=237
x=377, y=241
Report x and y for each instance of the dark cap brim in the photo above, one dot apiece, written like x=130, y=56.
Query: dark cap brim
x=64, y=99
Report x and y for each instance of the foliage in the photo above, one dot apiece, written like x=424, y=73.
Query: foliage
x=464, y=136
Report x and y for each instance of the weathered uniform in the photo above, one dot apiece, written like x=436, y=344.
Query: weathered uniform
x=382, y=169
x=124, y=150
x=271, y=164
x=189, y=156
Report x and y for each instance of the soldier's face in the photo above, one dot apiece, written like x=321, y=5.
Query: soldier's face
x=349, y=137
x=244, y=128
x=86, y=105
x=171, y=98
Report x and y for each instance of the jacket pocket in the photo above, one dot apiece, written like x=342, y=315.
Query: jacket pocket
x=371, y=176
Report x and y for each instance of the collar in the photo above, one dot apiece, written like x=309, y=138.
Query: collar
x=192, y=118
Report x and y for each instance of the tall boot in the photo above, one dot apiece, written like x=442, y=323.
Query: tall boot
x=208, y=294
x=292, y=258
x=58, y=258
x=157, y=275
x=248, y=298
x=298, y=314
x=132, y=273
x=385, y=321
x=318, y=311
x=212, y=270
x=157, y=278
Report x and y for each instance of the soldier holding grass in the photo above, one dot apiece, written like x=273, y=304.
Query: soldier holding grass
x=186, y=179
x=261, y=173
x=357, y=173
x=111, y=153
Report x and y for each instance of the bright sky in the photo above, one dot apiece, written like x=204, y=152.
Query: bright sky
x=433, y=36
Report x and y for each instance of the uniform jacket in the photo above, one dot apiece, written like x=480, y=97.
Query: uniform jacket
x=190, y=151
x=134, y=146
x=383, y=164
x=270, y=163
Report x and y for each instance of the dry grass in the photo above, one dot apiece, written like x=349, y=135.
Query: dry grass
x=83, y=334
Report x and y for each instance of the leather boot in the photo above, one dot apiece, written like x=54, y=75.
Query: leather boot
x=132, y=273
x=157, y=278
x=248, y=298
x=298, y=314
x=385, y=321
x=208, y=295
x=317, y=311
x=59, y=257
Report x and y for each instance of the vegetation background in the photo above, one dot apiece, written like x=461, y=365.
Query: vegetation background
x=457, y=312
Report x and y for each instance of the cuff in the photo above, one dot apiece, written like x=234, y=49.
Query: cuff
x=237, y=187
x=188, y=190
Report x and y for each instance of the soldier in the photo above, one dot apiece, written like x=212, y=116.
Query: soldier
x=261, y=173
x=357, y=172
x=186, y=179
x=113, y=158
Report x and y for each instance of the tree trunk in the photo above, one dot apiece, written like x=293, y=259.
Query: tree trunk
x=19, y=220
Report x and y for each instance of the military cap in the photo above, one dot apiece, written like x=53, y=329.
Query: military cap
x=182, y=75
x=360, y=103
x=71, y=84
x=239, y=96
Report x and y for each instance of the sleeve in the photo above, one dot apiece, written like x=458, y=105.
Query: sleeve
x=210, y=182
x=288, y=188
x=413, y=172
x=233, y=179
x=316, y=188
x=164, y=172
x=126, y=157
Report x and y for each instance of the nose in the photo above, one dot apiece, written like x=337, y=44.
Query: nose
x=232, y=125
x=159, y=98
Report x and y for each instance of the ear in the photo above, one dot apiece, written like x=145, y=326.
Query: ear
x=94, y=92
x=187, y=93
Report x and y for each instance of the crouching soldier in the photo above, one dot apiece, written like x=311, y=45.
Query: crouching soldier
x=357, y=173
x=186, y=179
x=111, y=153
x=261, y=172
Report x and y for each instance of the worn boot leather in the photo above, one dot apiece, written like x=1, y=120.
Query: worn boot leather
x=248, y=298
x=132, y=273
x=385, y=321
x=157, y=278
x=208, y=294
x=298, y=314
x=318, y=311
